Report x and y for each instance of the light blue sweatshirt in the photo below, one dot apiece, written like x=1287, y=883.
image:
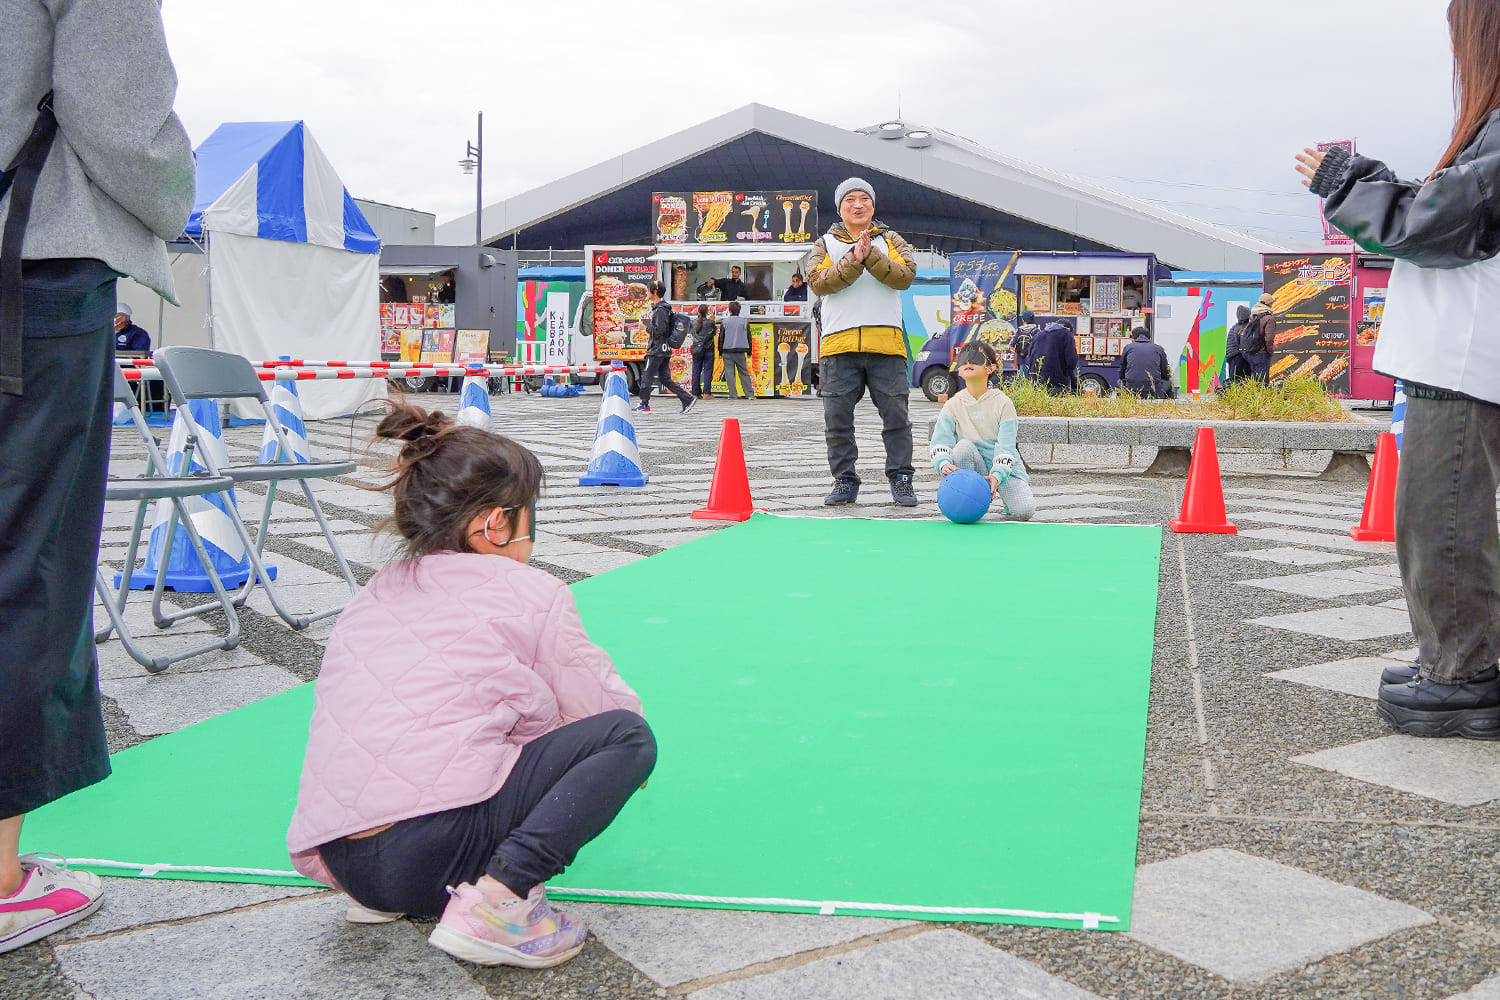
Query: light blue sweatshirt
x=990, y=423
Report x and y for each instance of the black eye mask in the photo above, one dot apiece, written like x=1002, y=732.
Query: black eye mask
x=971, y=354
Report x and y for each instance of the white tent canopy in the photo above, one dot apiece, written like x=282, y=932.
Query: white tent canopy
x=294, y=268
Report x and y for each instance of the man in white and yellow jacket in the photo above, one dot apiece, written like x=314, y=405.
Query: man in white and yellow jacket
x=859, y=270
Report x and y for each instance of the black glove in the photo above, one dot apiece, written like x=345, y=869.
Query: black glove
x=1330, y=172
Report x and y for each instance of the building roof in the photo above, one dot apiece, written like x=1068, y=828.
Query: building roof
x=935, y=188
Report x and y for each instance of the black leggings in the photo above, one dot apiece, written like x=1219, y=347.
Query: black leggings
x=567, y=787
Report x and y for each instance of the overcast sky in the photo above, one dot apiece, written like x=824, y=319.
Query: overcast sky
x=1196, y=104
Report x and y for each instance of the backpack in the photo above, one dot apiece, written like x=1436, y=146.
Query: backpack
x=682, y=323
x=1253, y=337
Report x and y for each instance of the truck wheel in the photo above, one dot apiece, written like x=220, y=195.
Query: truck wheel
x=1093, y=385
x=935, y=383
x=632, y=379
x=416, y=383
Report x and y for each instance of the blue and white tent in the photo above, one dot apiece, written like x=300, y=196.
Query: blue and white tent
x=294, y=267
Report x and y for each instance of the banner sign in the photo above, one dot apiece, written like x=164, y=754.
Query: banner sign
x=621, y=282
x=983, y=286
x=734, y=217
x=1310, y=325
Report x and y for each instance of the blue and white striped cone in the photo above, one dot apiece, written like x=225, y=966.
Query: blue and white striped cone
x=287, y=405
x=211, y=516
x=616, y=460
x=474, y=402
x=1398, y=414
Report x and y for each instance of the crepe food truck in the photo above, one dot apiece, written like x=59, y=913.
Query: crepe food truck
x=702, y=237
x=1101, y=296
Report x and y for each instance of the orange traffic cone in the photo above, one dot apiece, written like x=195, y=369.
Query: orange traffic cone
x=1203, y=503
x=729, y=494
x=1378, y=523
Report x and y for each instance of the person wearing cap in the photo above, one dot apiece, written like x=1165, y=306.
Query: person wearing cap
x=128, y=336
x=859, y=269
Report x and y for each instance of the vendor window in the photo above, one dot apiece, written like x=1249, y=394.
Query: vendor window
x=1133, y=294
x=1072, y=288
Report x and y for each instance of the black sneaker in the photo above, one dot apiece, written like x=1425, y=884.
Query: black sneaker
x=1426, y=708
x=845, y=491
x=1403, y=674
x=902, y=492
x=691, y=402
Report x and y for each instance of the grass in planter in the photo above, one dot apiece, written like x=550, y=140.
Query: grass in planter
x=1299, y=399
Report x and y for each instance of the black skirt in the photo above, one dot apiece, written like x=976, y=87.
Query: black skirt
x=54, y=455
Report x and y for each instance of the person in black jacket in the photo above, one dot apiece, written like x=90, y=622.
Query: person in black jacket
x=659, y=353
x=1438, y=337
x=704, y=329
x=1053, y=358
x=732, y=287
x=1144, y=368
x=1236, y=368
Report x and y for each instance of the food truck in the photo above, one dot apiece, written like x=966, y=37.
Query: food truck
x=1326, y=312
x=701, y=237
x=1102, y=296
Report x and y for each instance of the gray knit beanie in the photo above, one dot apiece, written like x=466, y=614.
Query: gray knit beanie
x=852, y=184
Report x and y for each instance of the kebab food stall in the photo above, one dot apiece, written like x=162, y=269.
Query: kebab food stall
x=701, y=238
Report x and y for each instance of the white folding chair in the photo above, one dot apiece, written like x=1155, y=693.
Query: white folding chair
x=159, y=484
x=195, y=373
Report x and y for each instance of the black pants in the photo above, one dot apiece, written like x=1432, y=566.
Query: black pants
x=1447, y=540
x=54, y=456
x=845, y=378
x=566, y=788
x=659, y=371
x=703, y=374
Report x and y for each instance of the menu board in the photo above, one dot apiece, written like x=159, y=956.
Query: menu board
x=1310, y=323
x=621, y=280
x=1106, y=297
x=734, y=217
x=983, y=306
x=1036, y=294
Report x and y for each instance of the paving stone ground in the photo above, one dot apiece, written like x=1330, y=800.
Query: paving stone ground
x=1290, y=844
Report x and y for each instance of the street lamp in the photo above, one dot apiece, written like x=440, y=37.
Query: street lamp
x=473, y=163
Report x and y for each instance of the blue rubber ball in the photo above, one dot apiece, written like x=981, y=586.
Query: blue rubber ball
x=964, y=496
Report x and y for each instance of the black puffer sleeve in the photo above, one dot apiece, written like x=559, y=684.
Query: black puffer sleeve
x=1450, y=221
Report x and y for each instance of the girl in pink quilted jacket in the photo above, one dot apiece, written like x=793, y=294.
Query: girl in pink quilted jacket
x=467, y=738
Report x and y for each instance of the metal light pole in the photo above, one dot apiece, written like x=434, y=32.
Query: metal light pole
x=473, y=163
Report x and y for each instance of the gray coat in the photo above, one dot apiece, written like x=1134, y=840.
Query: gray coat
x=119, y=180
x=736, y=335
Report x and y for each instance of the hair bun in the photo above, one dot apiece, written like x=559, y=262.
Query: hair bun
x=417, y=427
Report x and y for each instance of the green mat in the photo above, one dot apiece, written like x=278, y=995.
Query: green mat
x=826, y=743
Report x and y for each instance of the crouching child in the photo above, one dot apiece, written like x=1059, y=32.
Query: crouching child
x=977, y=430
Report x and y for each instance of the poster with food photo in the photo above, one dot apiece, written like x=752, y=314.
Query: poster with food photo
x=792, y=372
x=798, y=218
x=472, y=345
x=621, y=280
x=411, y=343
x=433, y=343
x=387, y=314
x=390, y=343
x=711, y=211
x=670, y=221
x=1310, y=328
x=983, y=301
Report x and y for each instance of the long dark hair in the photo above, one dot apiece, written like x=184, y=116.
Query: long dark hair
x=1475, y=29
x=446, y=474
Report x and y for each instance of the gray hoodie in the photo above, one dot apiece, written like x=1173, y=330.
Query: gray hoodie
x=119, y=180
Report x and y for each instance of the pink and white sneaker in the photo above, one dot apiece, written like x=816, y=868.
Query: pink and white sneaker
x=500, y=929
x=51, y=897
